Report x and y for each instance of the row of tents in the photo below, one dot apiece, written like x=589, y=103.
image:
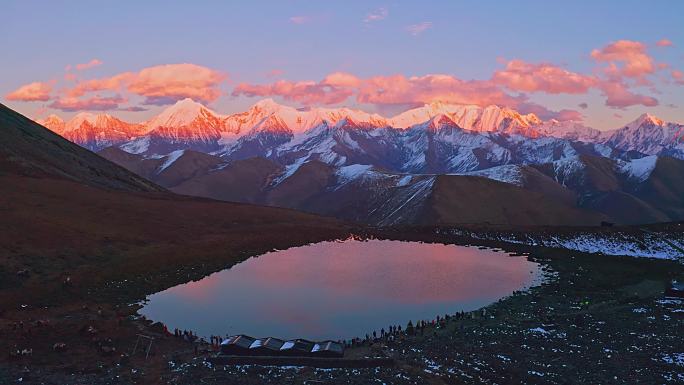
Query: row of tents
x=242, y=345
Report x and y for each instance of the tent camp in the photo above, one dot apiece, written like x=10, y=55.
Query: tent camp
x=327, y=349
x=266, y=346
x=242, y=345
x=238, y=345
x=298, y=347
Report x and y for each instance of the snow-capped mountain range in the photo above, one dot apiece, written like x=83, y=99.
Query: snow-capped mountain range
x=416, y=167
x=94, y=131
x=437, y=137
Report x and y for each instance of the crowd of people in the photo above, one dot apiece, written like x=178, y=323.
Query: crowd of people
x=396, y=331
x=187, y=335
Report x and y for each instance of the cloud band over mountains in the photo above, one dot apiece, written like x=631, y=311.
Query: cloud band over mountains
x=622, y=71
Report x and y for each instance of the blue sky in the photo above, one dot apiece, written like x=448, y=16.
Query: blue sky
x=260, y=42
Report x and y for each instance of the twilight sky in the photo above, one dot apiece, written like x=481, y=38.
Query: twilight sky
x=604, y=62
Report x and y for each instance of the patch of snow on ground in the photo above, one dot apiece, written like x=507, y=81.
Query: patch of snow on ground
x=347, y=139
x=137, y=146
x=404, y=181
x=654, y=248
x=509, y=173
x=348, y=173
x=669, y=302
x=566, y=169
x=220, y=166
x=416, y=190
x=649, y=245
x=170, y=159
x=539, y=330
x=674, y=359
x=290, y=169
x=639, y=169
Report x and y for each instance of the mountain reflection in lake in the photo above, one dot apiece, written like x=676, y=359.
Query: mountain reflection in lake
x=340, y=290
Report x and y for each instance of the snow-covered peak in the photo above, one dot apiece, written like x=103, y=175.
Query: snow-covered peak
x=183, y=113
x=268, y=104
x=571, y=130
x=645, y=119
x=53, y=123
x=428, y=111
x=52, y=118
x=186, y=104
x=300, y=120
x=649, y=135
x=82, y=117
x=334, y=115
x=97, y=121
x=469, y=117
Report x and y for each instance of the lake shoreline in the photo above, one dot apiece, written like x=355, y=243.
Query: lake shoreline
x=342, y=290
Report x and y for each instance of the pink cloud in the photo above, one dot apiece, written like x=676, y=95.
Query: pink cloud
x=521, y=76
x=112, y=83
x=678, y=76
x=417, y=29
x=342, y=79
x=305, y=92
x=132, y=109
x=566, y=114
x=546, y=114
x=664, y=43
x=301, y=19
x=177, y=81
x=384, y=90
x=618, y=95
x=377, y=15
x=95, y=103
x=631, y=55
x=32, y=92
x=416, y=90
x=88, y=65
x=162, y=84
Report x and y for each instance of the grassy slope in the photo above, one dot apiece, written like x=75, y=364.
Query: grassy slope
x=463, y=199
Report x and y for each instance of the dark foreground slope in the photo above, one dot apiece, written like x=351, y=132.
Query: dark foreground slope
x=29, y=149
x=67, y=211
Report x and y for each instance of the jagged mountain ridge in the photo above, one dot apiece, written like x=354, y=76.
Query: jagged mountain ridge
x=266, y=126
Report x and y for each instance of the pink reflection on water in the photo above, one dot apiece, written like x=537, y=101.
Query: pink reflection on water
x=339, y=289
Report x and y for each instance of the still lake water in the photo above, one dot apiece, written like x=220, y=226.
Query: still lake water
x=341, y=290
